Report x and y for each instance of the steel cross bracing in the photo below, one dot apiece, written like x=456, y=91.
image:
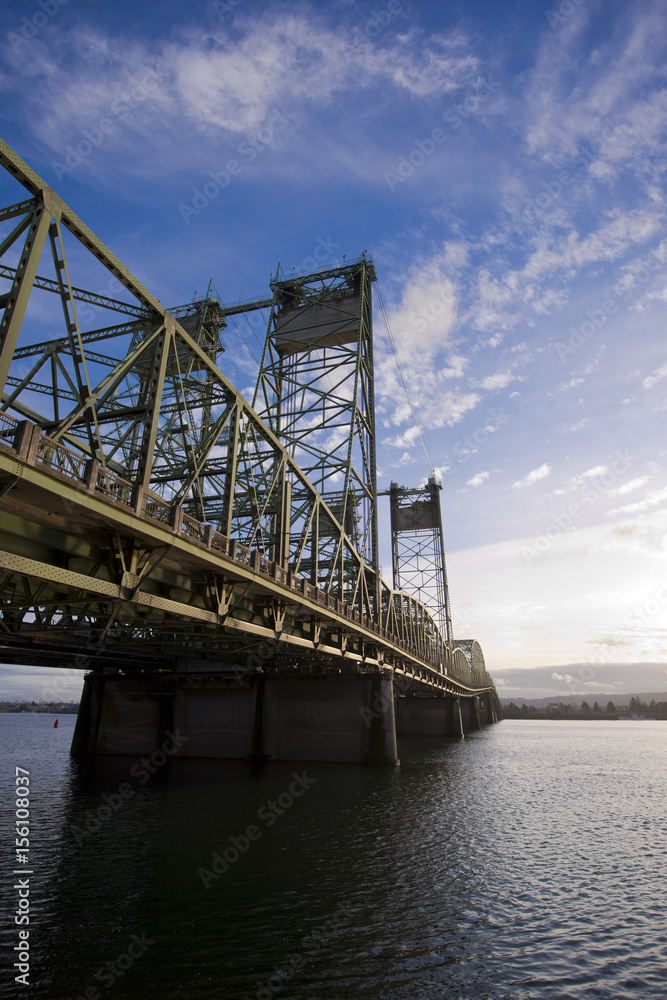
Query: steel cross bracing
x=418, y=549
x=149, y=517
x=315, y=391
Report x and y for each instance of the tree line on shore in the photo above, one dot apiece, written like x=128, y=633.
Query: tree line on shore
x=64, y=707
x=566, y=710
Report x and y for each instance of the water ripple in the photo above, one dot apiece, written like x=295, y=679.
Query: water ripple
x=523, y=862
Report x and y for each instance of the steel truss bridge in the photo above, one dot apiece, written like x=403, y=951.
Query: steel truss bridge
x=152, y=520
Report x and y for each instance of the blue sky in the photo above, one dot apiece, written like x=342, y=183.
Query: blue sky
x=503, y=163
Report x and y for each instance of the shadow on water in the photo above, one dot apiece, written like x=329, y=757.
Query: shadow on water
x=315, y=865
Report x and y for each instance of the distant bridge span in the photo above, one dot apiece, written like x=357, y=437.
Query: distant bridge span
x=187, y=548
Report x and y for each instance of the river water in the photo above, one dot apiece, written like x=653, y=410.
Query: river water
x=526, y=861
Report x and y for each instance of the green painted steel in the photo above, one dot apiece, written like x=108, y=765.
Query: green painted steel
x=418, y=549
x=315, y=390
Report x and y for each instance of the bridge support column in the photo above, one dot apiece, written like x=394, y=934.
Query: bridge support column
x=429, y=716
x=421, y=716
x=456, y=718
x=147, y=713
x=332, y=718
x=490, y=710
x=89, y=715
x=257, y=736
x=470, y=713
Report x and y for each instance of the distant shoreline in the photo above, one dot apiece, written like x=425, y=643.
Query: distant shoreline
x=560, y=717
x=36, y=710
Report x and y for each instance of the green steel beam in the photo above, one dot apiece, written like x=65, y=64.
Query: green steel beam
x=18, y=297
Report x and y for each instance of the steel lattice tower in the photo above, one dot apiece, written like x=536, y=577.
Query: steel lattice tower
x=418, y=549
x=315, y=390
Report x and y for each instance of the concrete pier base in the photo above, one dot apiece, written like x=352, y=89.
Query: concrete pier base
x=488, y=710
x=333, y=718
x=448, y=716
x=423, y=716
x=456, y=717
x=470, y=713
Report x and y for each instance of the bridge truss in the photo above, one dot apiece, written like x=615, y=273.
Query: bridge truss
x=150, y=517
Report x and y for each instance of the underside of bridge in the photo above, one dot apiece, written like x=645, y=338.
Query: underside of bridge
x=212, y=564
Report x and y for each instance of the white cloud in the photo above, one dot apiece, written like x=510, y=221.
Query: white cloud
x=456, y=366
x=596, y=470
x=571, y=94
x=565, y=678
x=233, y=84
x=440, y=472
x=423, y=319
x=653, y=379
x=646, y=535
x=533, y=477
x=218, y=83
x=478, y=479
x=634, y=484
x=495, y=382
x=651, y=500
x=434, y=410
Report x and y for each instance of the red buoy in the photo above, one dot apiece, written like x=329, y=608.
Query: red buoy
x=55, y=724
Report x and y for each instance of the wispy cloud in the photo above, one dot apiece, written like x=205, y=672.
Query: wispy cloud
x=533, y=477
x=217, y=87
x=653, y=379
x=651, y=500
x=478, y=479
x=634, y=484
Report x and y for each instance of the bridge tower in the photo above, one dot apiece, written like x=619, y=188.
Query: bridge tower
x=315, y=391
x=418, y=549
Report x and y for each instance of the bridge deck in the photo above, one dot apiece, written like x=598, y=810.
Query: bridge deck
x=60, y=523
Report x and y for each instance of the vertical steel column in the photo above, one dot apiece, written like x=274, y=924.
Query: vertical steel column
x=155, y=386
x=225, y=523
x=25, y=276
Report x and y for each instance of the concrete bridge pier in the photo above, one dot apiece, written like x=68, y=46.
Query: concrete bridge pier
x=440, y=716
x=488, y=709
x=470, y=713
x=334, y=717
x=423, y=716
x=443, y=716
x=456, y=717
